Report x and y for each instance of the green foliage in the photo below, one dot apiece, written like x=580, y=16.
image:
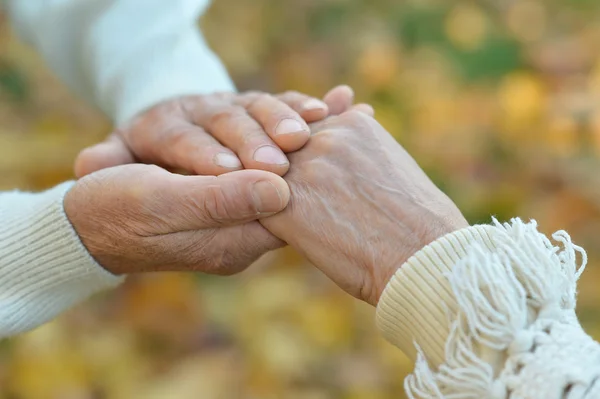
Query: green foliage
x=13, y=83
x=497, y=57
x=417, y=26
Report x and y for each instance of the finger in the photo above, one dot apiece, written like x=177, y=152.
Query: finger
x=309, y=108
x=339, y=99
x=191, y=148
x=112, y=152
x=287, y=129
x=364, y=108
x=200, y=202
x=235, y=129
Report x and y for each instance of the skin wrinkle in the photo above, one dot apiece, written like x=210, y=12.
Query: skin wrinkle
x=359, y=205
x=219, y=206
x=213, y=251
x=159, y=220
x=231, y=253
x=153, y=220
x=191, y=247
x=318, y=200
x=390, y=216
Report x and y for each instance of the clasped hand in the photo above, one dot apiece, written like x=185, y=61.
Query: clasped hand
x=353, y=201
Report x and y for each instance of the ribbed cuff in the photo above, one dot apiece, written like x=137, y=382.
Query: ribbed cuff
x=44, y=267
x=418, y=301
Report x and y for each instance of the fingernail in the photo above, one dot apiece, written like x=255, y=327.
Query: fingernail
x=314, y=104
x=288, y=126
x=268, y=154
x=226, y=160
x=266, y=197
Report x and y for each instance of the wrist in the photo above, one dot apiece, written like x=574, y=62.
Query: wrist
x=91, y=233
x=431, y=227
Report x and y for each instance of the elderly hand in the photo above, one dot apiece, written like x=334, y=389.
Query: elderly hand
x=215, y=134
x=137, y=218
x=360, y=205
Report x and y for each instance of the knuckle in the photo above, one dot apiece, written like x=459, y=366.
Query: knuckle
x=312, y=172
x=253, y=137
x=352, y=117
x=220, y=207
x=212, y=206
x=176, y=136
x=228, y=264
x=158, y=114
x=187, y=105
x=228, y=260
x=326, y=140
x=218, y=98
x=353, y=125
x=264, y=98
x=260, y=102
x=246, y=251
x=225, y=115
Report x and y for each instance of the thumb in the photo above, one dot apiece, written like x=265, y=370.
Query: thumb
x=200, y=202
x=112, y=152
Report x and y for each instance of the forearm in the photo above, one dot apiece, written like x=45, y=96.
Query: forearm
x=123, y=55
x=44, y=268
x=489, y=310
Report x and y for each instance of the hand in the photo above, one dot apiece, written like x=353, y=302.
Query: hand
x=215, y=134
x=137, y=218
x=360, y=205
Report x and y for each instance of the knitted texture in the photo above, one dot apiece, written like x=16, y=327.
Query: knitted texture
x=553, y=358
x=122, y=64
x=44, y=267
x=495, y=317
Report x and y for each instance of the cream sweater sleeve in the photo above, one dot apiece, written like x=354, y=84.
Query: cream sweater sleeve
x=44, y=267
x=122, y=55
x=489, y=312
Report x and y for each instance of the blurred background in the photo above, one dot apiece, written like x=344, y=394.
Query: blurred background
x=498, y=100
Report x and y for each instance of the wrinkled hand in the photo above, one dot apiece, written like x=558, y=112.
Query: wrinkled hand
x=218, y=133
x=360, y=205
x=137, y=218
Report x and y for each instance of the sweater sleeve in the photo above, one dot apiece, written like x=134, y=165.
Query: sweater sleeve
x=122, y=55
x=489, y=312
x=44, y=267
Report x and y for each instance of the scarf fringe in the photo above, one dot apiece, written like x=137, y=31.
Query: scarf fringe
x=499, y=294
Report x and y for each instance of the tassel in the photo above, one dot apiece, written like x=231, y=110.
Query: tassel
x=500, y=296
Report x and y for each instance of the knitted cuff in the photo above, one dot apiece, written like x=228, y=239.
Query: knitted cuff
x=44, y=267
x=415, y=305
x=489, y=311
